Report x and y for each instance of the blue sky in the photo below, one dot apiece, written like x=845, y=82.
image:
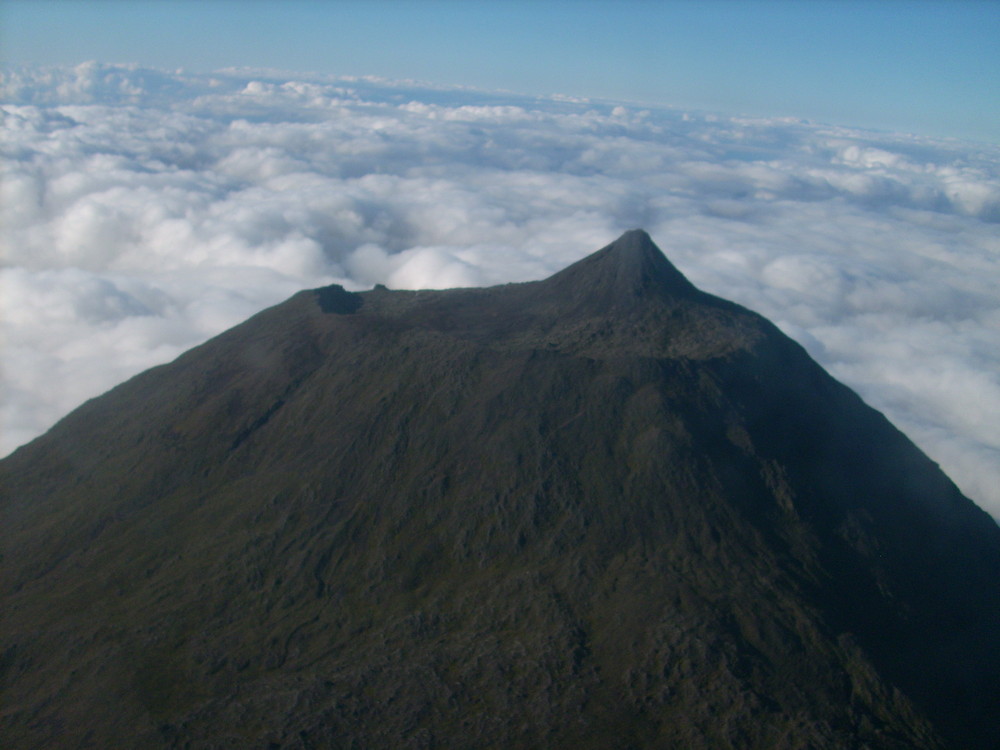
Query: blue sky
x=922, y=67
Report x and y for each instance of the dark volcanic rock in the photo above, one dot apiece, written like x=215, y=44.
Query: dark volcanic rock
x=601, y=510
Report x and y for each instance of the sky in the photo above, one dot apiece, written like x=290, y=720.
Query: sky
x=158, y=187
x=922, y=67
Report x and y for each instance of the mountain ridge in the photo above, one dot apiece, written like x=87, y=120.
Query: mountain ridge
x=603, y=509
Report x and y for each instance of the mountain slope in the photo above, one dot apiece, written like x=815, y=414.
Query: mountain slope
x=600, y=510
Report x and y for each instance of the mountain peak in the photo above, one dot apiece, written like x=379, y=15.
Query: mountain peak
x=635, y=242
x=599, y=510
x=629, y=268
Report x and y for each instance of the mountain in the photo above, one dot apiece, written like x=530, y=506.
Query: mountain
x=600, y=510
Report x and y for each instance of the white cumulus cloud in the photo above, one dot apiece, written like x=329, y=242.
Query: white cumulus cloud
x=144, y=211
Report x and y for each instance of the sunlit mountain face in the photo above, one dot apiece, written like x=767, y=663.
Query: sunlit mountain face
x=144, y=211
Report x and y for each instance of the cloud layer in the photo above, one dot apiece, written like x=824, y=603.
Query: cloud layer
x=144, y=211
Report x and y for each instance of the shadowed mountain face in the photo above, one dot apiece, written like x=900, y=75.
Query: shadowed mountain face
x=601, y=510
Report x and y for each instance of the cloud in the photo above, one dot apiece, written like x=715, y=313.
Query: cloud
x=144, y=211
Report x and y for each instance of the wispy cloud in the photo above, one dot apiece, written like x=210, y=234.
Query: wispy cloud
x=144, y=211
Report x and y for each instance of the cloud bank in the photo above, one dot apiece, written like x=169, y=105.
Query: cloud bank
x=144, y=211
